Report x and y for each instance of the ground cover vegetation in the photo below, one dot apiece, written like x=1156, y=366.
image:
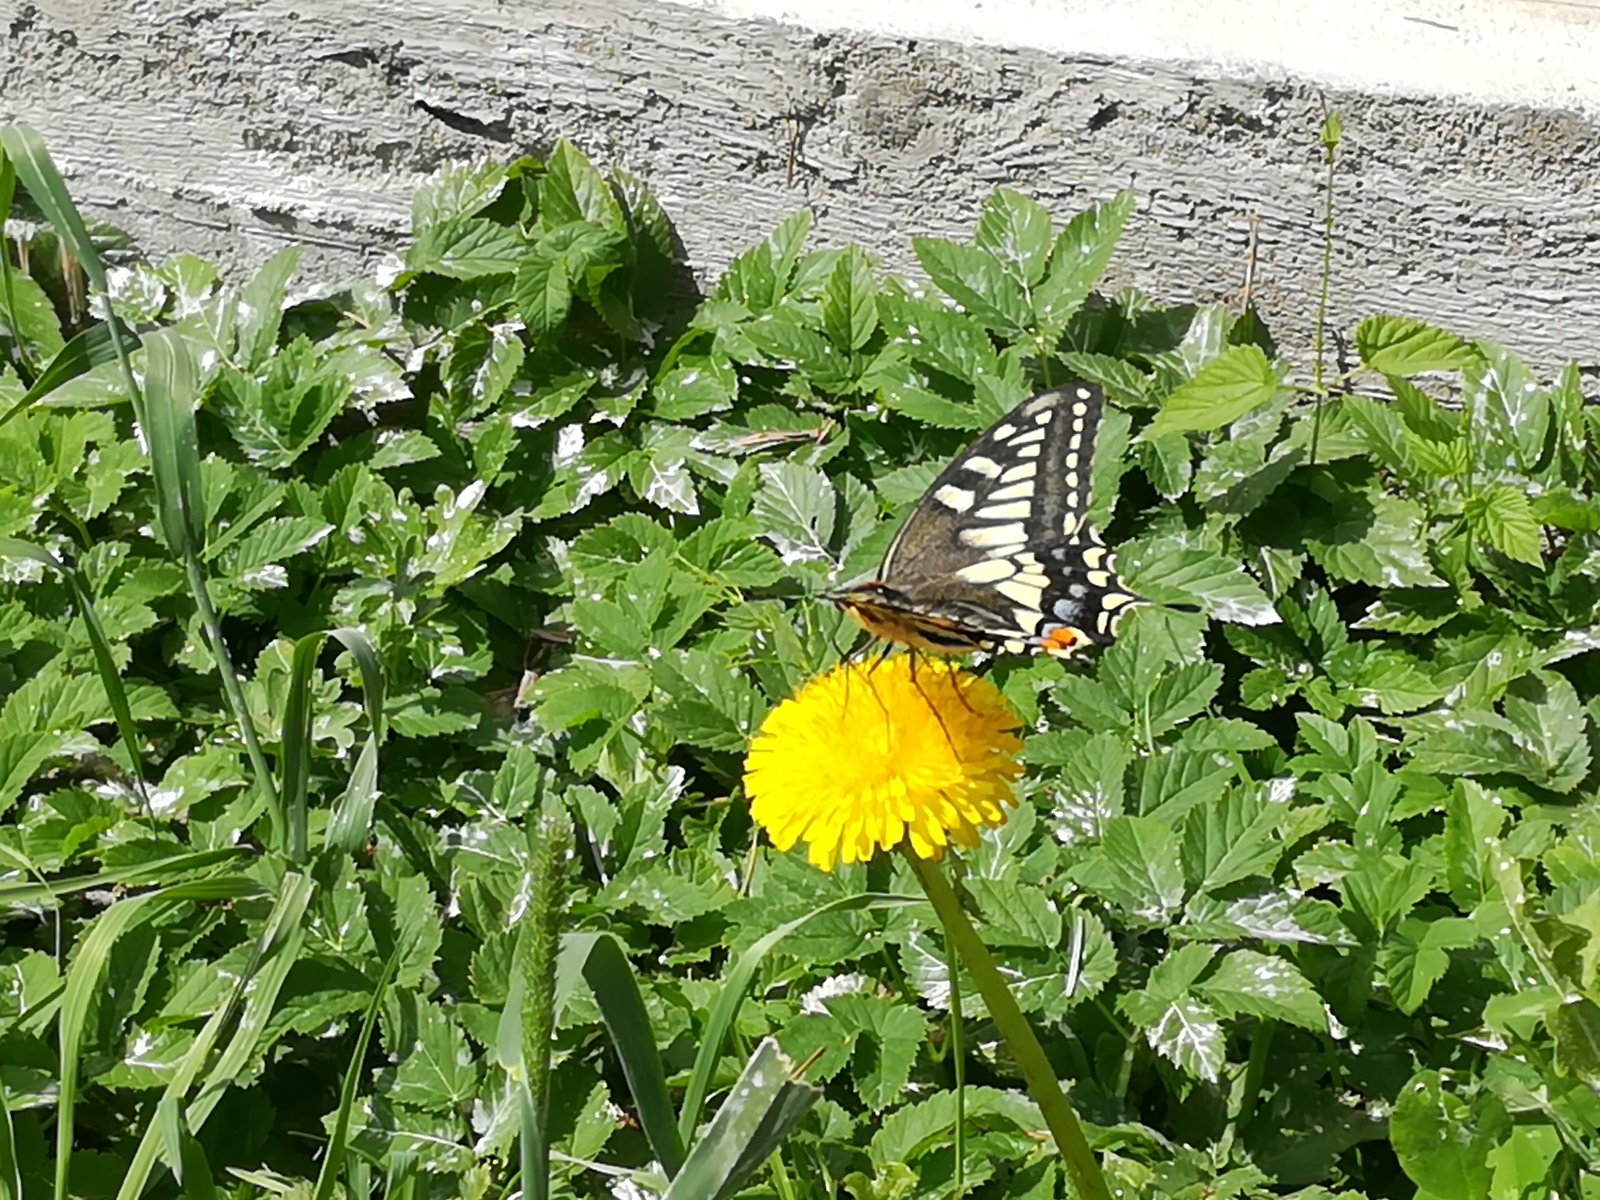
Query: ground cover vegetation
x=377, y=666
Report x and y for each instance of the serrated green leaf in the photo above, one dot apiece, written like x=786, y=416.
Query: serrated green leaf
x=1236, y=382
x=465, y=248
x=977, y=281
x=1503, y=518
x=1403, y=346
x=1264, y=985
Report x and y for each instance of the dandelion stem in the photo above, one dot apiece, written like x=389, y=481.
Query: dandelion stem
x=1084, y=1171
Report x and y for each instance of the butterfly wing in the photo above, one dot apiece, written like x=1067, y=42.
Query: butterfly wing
x=998, y=555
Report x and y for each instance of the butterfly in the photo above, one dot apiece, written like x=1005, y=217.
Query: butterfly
x=997, y=555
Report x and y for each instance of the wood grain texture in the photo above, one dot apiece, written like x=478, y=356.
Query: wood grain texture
x=230, y=129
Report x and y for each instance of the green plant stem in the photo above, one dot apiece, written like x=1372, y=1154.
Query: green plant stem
x=232, y=690
x=953, y=966
x=1043, y=1086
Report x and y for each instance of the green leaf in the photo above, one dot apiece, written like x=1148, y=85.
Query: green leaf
x=1236, y=382
x=850, y=302
x=1137, y=868
x=1443, y=1142
x=1016, y=230
x=977, y=281
x=1078, y=260
x=794, y=509
x=1167, y=572
x=1403, y=346
x=1264, y=985
x=465, y=248
x=1177, y=1024
x=437, y=1072
x=1503, y=517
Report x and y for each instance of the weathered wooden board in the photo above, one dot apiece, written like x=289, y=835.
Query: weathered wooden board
x=230, y=129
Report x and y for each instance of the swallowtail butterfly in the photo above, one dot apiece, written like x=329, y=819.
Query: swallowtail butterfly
x=997, y=555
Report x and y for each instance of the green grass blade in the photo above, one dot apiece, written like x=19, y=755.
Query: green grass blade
x=156, y=871
x=172, y=386
x=83, y=981
x=105, y=664
x=761, y=1110
x=338, y=1142
x=295, y=767
x=605, y=966
x=92, y=348
x=281, y=922
x=736, y=984
x=25, y=150
x=352, y=815
x=10, y=1171
x=277, y=952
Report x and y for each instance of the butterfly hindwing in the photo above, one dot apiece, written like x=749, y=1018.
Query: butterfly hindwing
x=998, y=554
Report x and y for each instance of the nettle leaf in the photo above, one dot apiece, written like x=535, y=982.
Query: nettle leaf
x=573, y=191
x=1545, y=709
x=1236, y=382
x=850, y=302
x=1136, y=868
x=794, y=510
x=436, y=1072
x=696, y=385
x=1403, y=346
x=1377, y=539
x=465, y=248
x=894, y=1033
x=1016, y=230
x=1442, y=1141
x=937, y=336
x=976, y=280
x=1262, y=985
x=1503, y=517
x=1078, y=260
x=1167, y=571
x=1178, y=1025
x=1509, y=414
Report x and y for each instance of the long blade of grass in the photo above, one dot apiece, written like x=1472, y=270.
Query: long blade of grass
x=26, y=152
x=352, y=815
x=83, y=981
x=94, y=347
x=605, y=967
x=157, y=870
x=278, y=943
x=338, y=1141
x=295, y=768
x=105, y=664
x=10, y=1171
x=171, y=385
x=761, y=1110
x=736, y=983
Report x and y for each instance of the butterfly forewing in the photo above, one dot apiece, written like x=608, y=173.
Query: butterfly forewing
x=997, y=554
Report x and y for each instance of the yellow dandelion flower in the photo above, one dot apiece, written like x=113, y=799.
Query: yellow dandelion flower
x=871, y=754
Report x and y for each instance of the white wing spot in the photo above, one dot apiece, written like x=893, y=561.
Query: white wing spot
x=1025, y=470
x=986, y=570
x=1069, y=524
x=954, y=497
x=1072, y=460
x=1028, y=452
x=1100, y=579
x=1093, y=556
x=1021, y=593
x=1005, y=433
x=1017, y=510
x=1033, y=435
x=1043, y=418
x=1016, y=491
x=987, y=537
x=979, y=465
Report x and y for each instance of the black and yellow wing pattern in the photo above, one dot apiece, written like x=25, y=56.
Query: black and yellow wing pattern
x=997, y=555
